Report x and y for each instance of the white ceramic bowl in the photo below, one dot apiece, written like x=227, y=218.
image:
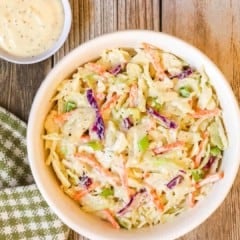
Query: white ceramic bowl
x=62, y=38
x=63, y=206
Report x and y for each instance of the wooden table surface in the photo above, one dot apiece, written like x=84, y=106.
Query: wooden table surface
x=211, y=25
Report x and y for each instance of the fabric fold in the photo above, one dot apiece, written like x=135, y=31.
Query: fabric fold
x=24, y=214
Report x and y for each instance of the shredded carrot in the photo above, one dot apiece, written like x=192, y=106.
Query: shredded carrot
x=109, y=103
x=109, y=216
x=100, y=97
x=155, y=197
x=85, y=138
x=90, y=158
x=63, y=117
x=191, y=199
x=210, y=179
x=202, y=145
x=96, y=67
x=131, y=191
x=155, y=59
x=92, y=161
x=156, y=200
x=168, y=147
x=133, y=96
x=79, y=194
x=124, y=176
x=146, y=175
x=205, y=113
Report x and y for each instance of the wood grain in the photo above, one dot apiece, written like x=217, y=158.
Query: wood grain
x=212, y=26
x=19, y=84
x=138, y=14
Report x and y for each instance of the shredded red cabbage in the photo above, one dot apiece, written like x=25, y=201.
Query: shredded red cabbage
x=91, y=99
x=169, y=123
x=98, y=125
x=124, y=209
x=85, y=181
x=115, y=70
x=177, y=180
x=185, y=73
x=210, y=162
x=130, y=203
x=127, y=123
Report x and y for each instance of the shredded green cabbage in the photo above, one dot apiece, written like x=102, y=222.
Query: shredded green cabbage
x=143, y=172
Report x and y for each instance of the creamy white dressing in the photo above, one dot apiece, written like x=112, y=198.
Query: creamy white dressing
x=30, y=27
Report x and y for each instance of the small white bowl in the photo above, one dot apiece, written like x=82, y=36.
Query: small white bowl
x=68, y=210
x=62, y=38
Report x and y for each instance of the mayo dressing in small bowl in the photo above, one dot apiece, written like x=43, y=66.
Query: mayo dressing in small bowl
x=33, y=30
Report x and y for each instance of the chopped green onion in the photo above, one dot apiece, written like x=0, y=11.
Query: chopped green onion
x=184, y=92
x=64, y=150
x=95, y=145
x=143, y=144
x=69, y=106
x=161, y=161
x=91, y=81
x=215, y=151
x=154, y=104
x=197, y=174
x=107, y=192
x=123, y=224
x=171, y=210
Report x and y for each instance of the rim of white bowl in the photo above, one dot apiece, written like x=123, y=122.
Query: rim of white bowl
x=55, y=47
x=34, y=113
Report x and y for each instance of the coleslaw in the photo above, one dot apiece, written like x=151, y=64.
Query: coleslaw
x=136, y=137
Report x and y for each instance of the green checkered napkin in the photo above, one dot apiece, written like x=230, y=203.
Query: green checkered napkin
x=23, y=212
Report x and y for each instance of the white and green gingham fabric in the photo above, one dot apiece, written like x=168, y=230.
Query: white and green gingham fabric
x=23, y=212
